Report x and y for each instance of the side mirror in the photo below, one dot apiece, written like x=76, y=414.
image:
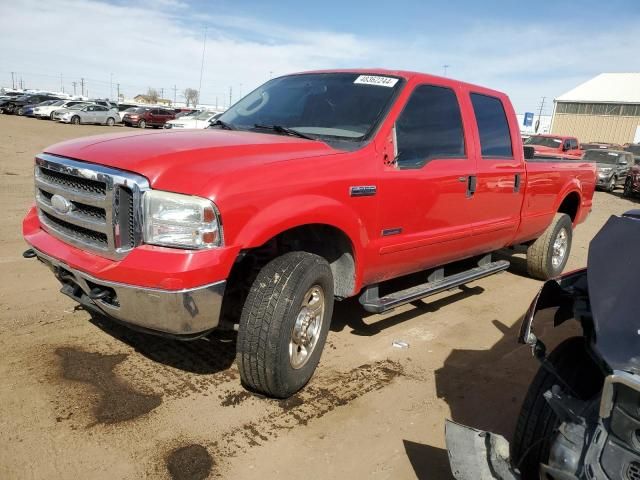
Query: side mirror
x=529, y=152
x=565, y=147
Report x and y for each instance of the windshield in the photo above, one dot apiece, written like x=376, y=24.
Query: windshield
x=57, y=102
x=602, y=156
x=544, y=141
x=339, y=106
x=635, y=149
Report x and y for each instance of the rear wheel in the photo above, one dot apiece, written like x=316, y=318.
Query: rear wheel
x=110, y=122
x=284, y=324
x=548, y=255
x=142, y=124
x=20, y=111
x=611, y=186
x=537, y=422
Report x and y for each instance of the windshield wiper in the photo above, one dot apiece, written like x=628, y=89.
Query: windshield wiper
x=285, y=130
x=223, y=124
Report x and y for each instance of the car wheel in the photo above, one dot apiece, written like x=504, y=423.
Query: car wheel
x=628, y=188
x=20, y=111
x=548, y=255
x=611, y=186
x=537, y=422
x=110, y=122
x=284, y=324
x=75, y=120
x=142, y=124
x=51, y=117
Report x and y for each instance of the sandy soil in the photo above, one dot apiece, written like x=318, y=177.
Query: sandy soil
x=80, y=398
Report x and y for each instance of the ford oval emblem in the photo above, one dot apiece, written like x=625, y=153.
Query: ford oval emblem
x=61, y=204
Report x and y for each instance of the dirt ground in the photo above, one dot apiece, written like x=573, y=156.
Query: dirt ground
x=82, y=398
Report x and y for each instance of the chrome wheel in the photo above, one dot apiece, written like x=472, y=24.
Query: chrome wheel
x=559, y=248
x=306, y=330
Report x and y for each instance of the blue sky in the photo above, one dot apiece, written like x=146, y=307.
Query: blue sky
x=528, y=50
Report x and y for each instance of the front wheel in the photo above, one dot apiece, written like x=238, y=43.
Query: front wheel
x=537, y=422
x=142, y=124
x=628, y=188
x=611, y=186
x=548, y=255
x=75, y=120
x=284, y=324
x=51, y=117
x=20, y=111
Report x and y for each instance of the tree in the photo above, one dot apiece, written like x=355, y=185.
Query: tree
x=153, y=95
x=192, y=96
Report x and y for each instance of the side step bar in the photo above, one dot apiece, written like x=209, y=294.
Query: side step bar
x=376, y=304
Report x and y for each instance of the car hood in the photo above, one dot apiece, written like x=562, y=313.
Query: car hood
x=190, y=160
x=613, y=289
x=600, y=165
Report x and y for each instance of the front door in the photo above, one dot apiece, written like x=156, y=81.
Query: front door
x=426, y=195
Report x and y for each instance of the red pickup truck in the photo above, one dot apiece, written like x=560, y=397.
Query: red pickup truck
x=314, y=187
x=555, y=144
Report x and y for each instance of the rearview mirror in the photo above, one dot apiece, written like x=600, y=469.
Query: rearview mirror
x=529, y=152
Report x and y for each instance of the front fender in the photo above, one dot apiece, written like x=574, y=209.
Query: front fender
x=559, y=292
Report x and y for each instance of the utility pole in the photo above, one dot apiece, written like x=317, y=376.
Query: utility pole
x=118, y=90
x=74, y=87
x=175, y=94
x=21, y=84
x=82, y=87
x=161, y=93
x=445, y=67
x=13, y=80
x=540, y=114
x=61, y=84
x=230, y=94
x=204, y=46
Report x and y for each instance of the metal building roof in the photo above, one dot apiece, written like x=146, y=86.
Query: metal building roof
x=606, y=87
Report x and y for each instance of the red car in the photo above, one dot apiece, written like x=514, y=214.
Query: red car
x=555, y=144
x=313, y=188
x=148, y=117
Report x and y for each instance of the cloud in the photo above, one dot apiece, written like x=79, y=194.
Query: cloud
x=158, y=43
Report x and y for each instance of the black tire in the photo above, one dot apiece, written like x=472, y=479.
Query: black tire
x=51, y=117
x=537, y=422
x=111, y=122
x=142, y=124
x=628, y=188
x=611, y=186
x=268, y=319
x=75, y=120
x=20, y=111
x=540, y=254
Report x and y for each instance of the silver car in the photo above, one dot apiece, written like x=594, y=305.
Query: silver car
x=96, y=114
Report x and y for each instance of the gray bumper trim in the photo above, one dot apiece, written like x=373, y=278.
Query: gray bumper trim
x=174, y=312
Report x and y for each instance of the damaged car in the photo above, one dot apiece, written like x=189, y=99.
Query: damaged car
x=580, y=419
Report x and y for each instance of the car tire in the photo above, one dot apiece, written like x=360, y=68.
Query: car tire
x=51, y=117
x=75, y=120
x=611, y=186
x=280, y=341
x=548, y=255
x=20, y=111
x=142, y=124
x=537, y=422
x=628, y=188
x=111, y=122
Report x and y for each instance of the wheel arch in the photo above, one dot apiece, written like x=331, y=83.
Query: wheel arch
x=570, y=204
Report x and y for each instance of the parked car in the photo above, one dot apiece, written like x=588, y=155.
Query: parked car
x=633, y=148
x=92, y=113
x=314, y=187
x=123, y=108
x=28, y=110
x=202, y=120
x=148, y=116
x=600, y=146
x=612, y=167
x=48, y=111
x=187, y=113
x=580, y=418
x=632, y=183
x=17, y=104
x=555, y=144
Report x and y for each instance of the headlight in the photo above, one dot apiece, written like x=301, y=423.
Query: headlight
x=604, y=170
x=175, y=220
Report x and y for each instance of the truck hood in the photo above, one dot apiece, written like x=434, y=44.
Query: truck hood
x=186, y=161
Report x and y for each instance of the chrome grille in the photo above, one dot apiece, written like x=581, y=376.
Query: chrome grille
x=102, y=205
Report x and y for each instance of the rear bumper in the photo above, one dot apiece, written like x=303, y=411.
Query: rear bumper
x=182, y=313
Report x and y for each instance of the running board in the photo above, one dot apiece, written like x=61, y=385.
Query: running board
x=375, y=304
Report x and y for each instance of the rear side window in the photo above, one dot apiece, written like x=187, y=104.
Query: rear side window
x=495, y=139
x=430, y=126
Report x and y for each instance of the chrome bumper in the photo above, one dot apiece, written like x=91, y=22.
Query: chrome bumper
x=187, y=313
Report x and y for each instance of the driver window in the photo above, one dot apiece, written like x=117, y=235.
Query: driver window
x=429, y=127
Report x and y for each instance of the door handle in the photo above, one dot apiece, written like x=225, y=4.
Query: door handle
x=516, y=183
x=472, y=183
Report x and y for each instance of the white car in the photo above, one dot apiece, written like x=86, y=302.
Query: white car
x=202, y=120
x=46, y=111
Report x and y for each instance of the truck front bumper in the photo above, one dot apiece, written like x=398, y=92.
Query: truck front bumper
x=186, y=314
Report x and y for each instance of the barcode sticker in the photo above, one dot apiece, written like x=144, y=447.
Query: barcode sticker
x=376, y=80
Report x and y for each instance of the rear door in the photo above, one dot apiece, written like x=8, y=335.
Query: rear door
x=88, y=115
x=501, y=172
x=100, y=114
x=425, y=204
x=154, y=113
